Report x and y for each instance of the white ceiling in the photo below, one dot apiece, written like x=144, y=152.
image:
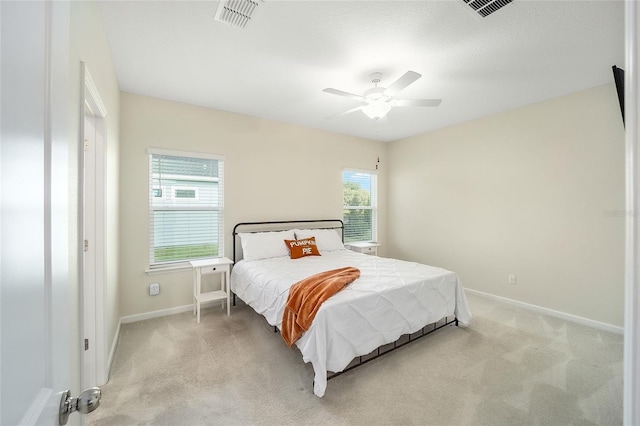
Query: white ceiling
x=278, y=65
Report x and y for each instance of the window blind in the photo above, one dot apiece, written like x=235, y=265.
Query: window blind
x=186, y=198
x=360, y=206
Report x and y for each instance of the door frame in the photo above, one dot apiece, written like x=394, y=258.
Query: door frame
x=631, y=385
x=92, y=327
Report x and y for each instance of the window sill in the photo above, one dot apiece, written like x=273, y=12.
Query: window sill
x=363, y=244
x=168, y=269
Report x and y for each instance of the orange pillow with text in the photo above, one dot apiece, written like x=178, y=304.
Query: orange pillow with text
x=302, y=248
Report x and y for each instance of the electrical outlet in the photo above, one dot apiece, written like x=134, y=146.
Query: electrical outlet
x=154, y=289
x=512, y=279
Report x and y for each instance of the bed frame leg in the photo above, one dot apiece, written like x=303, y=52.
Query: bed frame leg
x=456, y=322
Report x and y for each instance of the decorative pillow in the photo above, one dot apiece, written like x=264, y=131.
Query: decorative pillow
x=327, y=239
x=263, y=245
x=302, y=248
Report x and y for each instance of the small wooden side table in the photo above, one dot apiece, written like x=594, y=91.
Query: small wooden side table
x=366, y=248
x=222, y=266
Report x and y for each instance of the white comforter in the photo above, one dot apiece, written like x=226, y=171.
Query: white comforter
x=391, y=298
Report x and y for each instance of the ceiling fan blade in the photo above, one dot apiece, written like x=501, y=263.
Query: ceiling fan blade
x=417, y=102
x=345, y=94
x=345, y=112
x=408, y=78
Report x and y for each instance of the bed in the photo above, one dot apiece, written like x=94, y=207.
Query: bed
x=390, y=300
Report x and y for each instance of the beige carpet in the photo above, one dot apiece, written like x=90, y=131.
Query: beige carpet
x=509, y=367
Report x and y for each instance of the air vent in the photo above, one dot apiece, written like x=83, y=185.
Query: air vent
x=487, y=7
x=236, y=13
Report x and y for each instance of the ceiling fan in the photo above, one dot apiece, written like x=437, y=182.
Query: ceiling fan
x=378, y=101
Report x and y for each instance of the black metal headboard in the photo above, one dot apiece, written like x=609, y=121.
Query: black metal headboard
x=283, y=225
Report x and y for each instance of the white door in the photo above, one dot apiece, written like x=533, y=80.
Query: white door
x=34, y=230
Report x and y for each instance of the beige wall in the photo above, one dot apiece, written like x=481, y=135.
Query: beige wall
x=273, y=171
x=89, y=45
x=524, y=192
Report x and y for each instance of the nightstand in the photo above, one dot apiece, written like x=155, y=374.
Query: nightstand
x=220, y=266
x=366, y=248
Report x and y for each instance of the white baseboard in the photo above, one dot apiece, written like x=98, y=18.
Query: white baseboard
x=112, y=352
x=163, y=312
x=557, y=314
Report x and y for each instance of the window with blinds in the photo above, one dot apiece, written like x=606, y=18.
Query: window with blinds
x=186, y=201
x=360, y=205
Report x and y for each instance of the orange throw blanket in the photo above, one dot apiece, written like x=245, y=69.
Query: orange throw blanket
x=306, y=296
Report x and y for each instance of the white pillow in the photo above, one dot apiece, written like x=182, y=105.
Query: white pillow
x=326, y=239
x=263, y=245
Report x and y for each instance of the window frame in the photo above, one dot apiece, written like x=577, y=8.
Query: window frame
x=168, y=194
x=373, y=207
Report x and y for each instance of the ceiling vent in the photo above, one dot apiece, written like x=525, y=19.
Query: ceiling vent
x=487, y=7
x=236, y=13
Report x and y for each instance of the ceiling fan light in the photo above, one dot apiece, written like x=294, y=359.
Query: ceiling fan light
x=376, y=94
x=376, y=110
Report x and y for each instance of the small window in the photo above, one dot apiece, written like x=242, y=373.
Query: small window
x=360, y=205
x=185, y=207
